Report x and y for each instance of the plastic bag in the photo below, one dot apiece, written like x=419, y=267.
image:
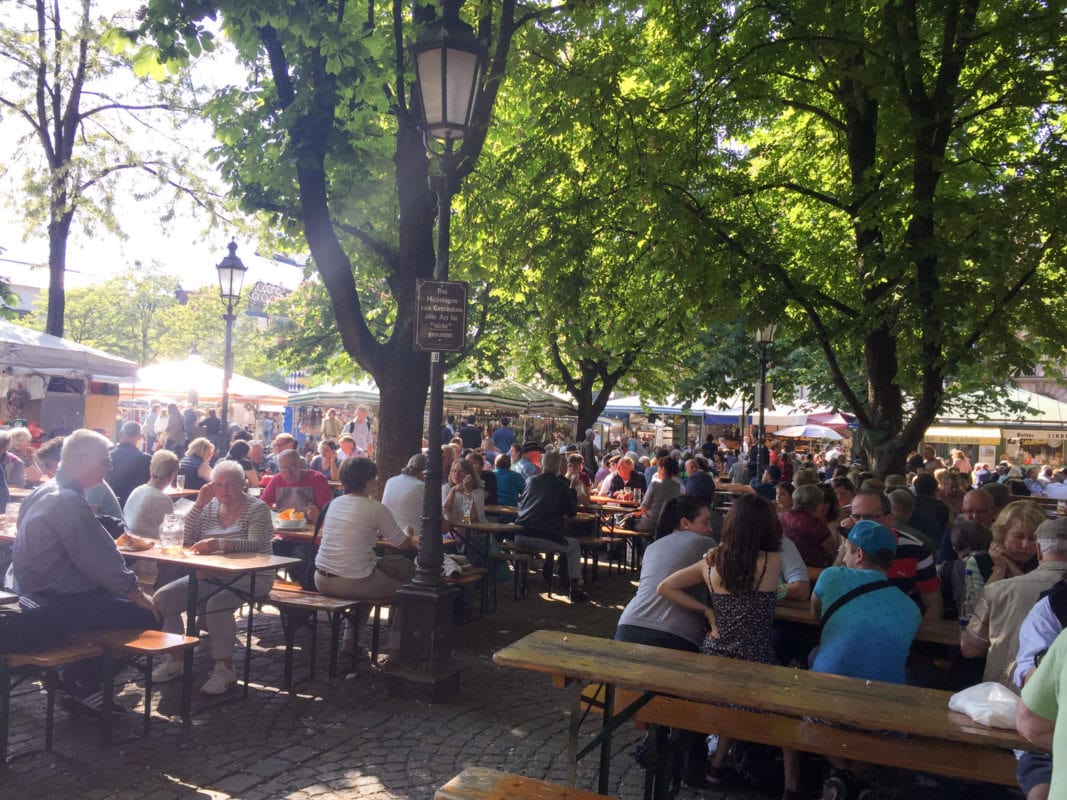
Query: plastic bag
x=987, y=704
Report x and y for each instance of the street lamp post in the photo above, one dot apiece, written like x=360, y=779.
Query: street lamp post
x=231, y=280
x=764, y=337
x=449, y=61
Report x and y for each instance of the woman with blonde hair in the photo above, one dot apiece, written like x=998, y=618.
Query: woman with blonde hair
x=1013, y=551
x=466, y=497
x=196, y=465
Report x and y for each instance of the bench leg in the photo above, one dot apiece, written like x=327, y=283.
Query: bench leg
x=376, y=632
x=314, y=643
x=289, y=624
x=107, y=686
x=5, y=709
x=335, y=640
x=149, y=663
x=50, y=708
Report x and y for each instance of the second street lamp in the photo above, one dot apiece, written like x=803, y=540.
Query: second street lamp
x=764, y=337
x=449, y=61
x=231, y=280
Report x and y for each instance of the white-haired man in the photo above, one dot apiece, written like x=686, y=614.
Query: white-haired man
x=66, y=565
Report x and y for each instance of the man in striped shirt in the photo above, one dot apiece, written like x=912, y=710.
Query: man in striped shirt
x=913, y=568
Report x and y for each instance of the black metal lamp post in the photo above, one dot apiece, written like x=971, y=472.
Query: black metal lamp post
x=449, y=61
x=231, y=281
x=764, y=337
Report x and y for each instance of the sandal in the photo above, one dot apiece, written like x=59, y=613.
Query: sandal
x=838, y=786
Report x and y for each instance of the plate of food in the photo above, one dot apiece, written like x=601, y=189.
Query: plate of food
x=290, y=520
x=129, y=543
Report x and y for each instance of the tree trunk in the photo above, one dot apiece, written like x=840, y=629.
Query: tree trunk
x=58, y=232
x=402, y=399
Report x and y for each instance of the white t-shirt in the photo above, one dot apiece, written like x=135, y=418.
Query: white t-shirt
x=349, y=534
x=145, y=508
x=403, y=496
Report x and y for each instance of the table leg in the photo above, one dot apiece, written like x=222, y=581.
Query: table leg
x=191, y=629
x=605, y=744
x=248, y=636
x=107, y=685
x=572, y=737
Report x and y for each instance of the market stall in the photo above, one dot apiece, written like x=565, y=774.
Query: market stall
x=57, y=383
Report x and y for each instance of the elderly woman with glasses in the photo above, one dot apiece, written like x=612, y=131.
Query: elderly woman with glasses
x=224, y=519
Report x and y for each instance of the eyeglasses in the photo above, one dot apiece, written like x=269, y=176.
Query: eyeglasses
x=870, y=517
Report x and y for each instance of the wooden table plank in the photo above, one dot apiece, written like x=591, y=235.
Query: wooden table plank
x=943, y=631
x=780, y=690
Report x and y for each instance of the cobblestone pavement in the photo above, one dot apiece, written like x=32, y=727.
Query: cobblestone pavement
x=342, y=738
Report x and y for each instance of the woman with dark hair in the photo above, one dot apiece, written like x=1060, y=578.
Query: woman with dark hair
x=741, y=579
x=239, y=451
x=684, y=535
x=346, y=564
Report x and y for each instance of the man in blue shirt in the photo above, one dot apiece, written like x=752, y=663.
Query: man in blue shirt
x=867, y=623
x=503, y=436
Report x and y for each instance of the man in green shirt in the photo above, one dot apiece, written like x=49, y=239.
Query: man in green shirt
x=1038, y=718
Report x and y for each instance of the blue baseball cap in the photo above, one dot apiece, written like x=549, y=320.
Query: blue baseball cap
x=871, y=537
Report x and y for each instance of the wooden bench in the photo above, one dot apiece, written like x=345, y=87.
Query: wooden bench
x=520, y=567
x=940, y=758
x=479, y=783
x=300, y=609
x=475, y=576
x=15, y=668
x=690, y=690
x=126, y=647
x=592, y=546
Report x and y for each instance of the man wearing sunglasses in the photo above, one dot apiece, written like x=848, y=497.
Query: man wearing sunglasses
x=913, y=568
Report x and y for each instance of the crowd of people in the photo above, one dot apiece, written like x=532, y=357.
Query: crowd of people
x=874, y=557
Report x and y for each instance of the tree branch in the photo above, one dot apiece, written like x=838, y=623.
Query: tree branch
x=387, y=254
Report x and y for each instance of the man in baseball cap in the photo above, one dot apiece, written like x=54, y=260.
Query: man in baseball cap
x=868, y=625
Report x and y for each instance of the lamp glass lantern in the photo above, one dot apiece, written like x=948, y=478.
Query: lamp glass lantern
x=449, y=61
x=231, y=275
x=765, y=335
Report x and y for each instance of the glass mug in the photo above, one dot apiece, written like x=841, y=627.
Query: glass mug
x=172, y=534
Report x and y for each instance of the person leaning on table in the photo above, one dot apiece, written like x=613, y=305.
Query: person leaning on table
x=68, y=569
x=224, y=519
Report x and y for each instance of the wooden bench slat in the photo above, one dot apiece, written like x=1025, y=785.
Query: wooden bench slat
x=141, y=642
x=479, y=783
x=971, y=762
x=310, y=601
x=67, y=653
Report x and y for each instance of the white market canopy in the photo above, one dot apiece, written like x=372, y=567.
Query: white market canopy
x=498, y=396
x=26, y=351
x=711, y=413
x=175, y=380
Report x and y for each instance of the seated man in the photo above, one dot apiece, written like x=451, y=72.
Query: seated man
x=913, y=569
x=544, y=503
x=1002, y=607
x=66, y=566
x=627, y=477
x=867, y=623
x=296, y=487
x=698, y=483
x=282, y=442
x=129, y=466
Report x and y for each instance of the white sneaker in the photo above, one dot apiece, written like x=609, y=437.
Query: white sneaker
x=167, y=670
x=220, y=680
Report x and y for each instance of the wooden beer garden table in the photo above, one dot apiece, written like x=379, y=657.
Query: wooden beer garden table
x=942, y=631
x=224, y=569
x=781, y=706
